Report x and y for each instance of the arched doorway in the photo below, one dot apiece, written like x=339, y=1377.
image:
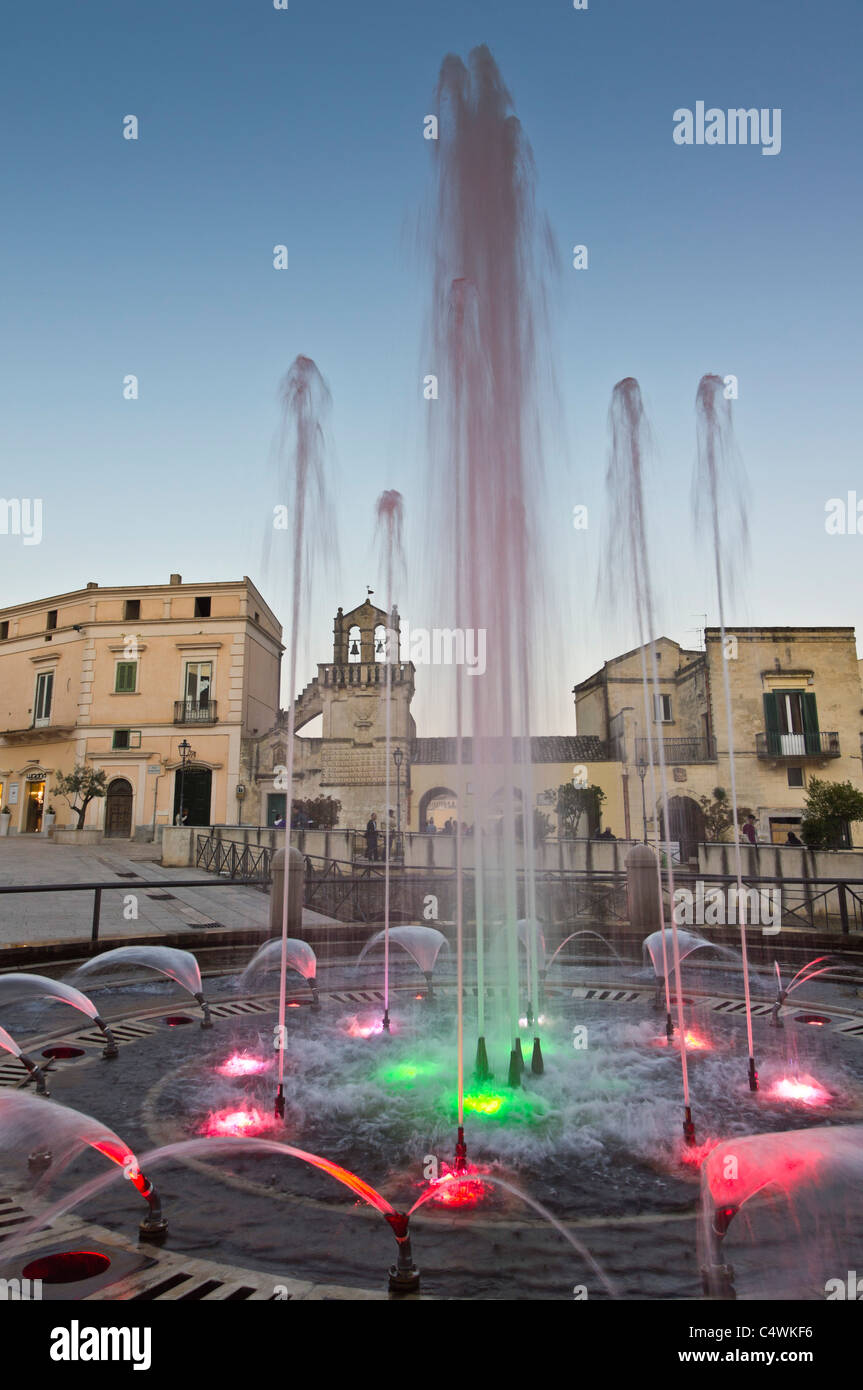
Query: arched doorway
x=118, y=810
x=686, y=824
x=439, y=805
x=197, y=793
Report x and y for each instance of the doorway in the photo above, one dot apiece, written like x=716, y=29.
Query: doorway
x=118, y=810
x=35, y=805
x=197, y=792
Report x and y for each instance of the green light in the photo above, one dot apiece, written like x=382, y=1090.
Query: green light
x=517, y=1106
x=484, y=1104
x=403, y=1073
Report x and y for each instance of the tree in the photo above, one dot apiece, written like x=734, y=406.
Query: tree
x=317, y=813
x=830, y=808
x=541, y=826
x=573, y=803
x=79, y=787
x=718, y=816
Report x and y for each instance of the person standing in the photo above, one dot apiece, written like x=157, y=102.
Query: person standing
x=372, y=836
x=749, y=830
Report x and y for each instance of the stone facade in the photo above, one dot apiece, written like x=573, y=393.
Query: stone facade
x=796, y=714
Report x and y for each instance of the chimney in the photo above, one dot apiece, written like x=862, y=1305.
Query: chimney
x=176, y=579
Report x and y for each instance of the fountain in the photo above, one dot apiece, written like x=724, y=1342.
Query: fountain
x=19, y=986
x=180, y=966
x=423, y=944
x=299, y=956
x=52, y=1135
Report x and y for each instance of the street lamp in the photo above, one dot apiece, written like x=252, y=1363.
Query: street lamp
x=641, y=769
x=398, y=755
x=186, y=753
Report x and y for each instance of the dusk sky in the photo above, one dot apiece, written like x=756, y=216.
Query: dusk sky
x=304, y=127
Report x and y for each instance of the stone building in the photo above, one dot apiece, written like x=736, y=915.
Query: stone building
x=347, y=760
x=120, y=679
x=796, y=714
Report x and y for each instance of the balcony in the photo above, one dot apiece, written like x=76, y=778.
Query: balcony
x=817, y=745
x=195, y=711
x=675, y=750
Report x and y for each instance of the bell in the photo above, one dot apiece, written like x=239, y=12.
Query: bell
x=379, y=646
x=355, y=651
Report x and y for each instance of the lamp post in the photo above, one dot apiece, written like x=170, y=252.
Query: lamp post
x=398, y=755
x=641, y=769
x=186, y=752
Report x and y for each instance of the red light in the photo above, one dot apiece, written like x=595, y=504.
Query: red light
x=800, y=1088
x=459, y=1189
x=238, y=1123
x=241, y=1064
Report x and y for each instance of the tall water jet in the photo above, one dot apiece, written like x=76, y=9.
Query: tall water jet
x=486, y=452
x=389, y=513
x=305, y=400
x=630, y=442
x=718, y=500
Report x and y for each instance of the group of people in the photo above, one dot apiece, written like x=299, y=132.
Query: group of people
x=374, y=835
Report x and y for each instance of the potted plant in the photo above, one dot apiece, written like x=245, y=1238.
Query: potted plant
x=5, y=818
x=48, y=821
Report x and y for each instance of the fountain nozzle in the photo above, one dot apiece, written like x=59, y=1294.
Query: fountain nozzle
x=154, y=1226
x=669, y=1027
x=429, y=985
x=482, y=1071
x=279, y=1107
x=110, y=1050
x=688, y=1128
x=385, y=1022
x=313, y=986
x=37, y=1074
x=404, y=1277
x=207, y=1020
x=753, y=1075
x=537, y=1065
x=460, y=1164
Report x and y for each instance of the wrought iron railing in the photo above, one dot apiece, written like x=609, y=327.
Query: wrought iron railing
x=195, y=711
x=249, y=863
x=676, y=750
x=773, y=744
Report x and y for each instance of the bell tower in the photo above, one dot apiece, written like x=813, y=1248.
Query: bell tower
x=365, y=670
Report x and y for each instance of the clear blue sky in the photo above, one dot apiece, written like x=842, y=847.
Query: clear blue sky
x=304, y=127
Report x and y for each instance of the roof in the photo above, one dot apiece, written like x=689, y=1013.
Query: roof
x=545, y=748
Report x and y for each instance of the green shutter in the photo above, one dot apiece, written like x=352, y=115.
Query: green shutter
x=811, y=733
x=124, y=683
x=771, y=722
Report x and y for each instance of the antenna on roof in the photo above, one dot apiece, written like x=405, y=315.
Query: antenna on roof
x=700, y=629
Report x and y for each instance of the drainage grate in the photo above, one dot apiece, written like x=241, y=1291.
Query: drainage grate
x=162, y=897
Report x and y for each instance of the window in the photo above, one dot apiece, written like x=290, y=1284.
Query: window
x=791, y=721
x=126, y=678
x=202, y=607
x=44, y=697
x=126, y=738
x=51, y=620
x=132, y=609
x=662, y=709
x=199, y=679
x=4, y=631
x=795, y=776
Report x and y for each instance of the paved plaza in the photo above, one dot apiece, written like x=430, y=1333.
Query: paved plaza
x=160, y=911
